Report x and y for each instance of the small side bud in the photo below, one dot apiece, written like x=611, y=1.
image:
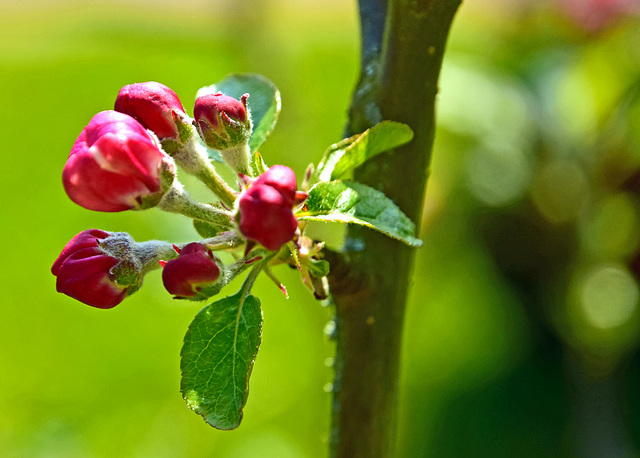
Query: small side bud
x=224, y=123
x=194, y=274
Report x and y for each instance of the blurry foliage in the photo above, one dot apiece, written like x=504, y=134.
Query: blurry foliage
x=535, y=178
x=523, y=330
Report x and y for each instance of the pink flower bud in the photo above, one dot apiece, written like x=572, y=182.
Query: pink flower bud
x=84, y=271
x=222, y=121
x=116, y=165
x=154, y=105
x=192, y=273
x=266, y=208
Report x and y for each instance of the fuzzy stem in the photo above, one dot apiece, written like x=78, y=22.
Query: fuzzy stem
x=215, y=183
x=238, y=158
x=224, y=241
x=177, y=200
x=370, y=286
x=193, y=159
x=152, y=251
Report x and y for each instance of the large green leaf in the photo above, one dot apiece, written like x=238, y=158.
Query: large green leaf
x=217, y=356
x=354, y=203
x=341, y=158
x=264, y=101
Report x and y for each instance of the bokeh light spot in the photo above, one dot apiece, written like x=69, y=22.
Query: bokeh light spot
x=559, y=191
x=608, y=296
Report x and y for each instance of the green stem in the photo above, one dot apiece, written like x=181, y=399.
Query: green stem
x=251, y=278
x=370, y=285
x=238, y=157
x=216, y=184
x=177, y=200
x=152, y=251
x=224, y=241
x=192, y=157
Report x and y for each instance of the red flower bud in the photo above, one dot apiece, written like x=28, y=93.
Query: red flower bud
x=116, y=165
x=266, y=208
x=192, y=272
x=222, y=121
x=84, y=271
x=153, y=105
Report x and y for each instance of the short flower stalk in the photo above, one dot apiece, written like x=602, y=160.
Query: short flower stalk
x=192, y=158
x=177, y=200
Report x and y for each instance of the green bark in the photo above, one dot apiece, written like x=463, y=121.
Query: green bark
x=402, y=50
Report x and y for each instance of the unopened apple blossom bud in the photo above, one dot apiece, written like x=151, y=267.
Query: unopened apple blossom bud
x=153, y=105
x=116, y=165
x=224, y=124
x=265, y=208
x=194, y=274
x=87, y=272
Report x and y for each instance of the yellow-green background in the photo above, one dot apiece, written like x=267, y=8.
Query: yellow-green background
x=82, y=382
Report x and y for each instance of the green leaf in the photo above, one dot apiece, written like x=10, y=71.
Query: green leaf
x=264, y=101
x=206, y=230
x=318, y=268
x=217, y=357
x=341, y=158
x=354, y=203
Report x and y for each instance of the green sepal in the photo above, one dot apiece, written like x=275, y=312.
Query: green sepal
x=354, y=203
x=343, y=157
x=258, y=164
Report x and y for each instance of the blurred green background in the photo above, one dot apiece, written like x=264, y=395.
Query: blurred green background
x=522, y=334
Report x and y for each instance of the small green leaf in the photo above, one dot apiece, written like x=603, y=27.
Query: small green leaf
x=341, y=158
x=217, y=357
x=318, y=268
x=264, y=101
x=206, y=230
x=354, y=203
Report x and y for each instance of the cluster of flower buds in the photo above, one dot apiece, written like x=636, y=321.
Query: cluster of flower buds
x=126, y=159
